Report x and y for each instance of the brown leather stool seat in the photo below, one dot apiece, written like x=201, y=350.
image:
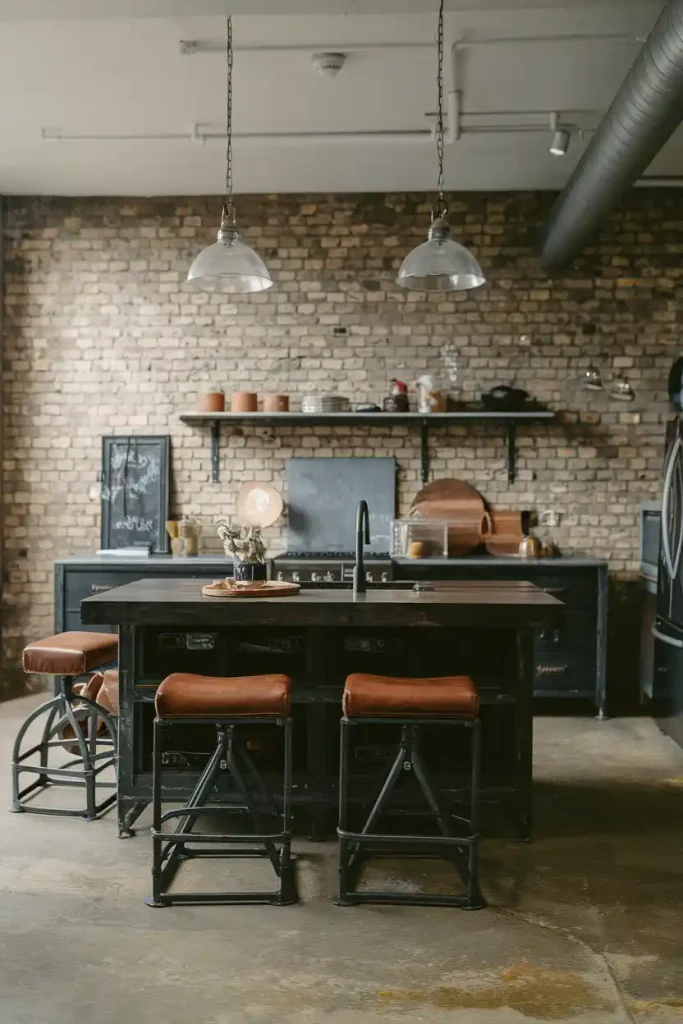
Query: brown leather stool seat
x=395, y=696
x=185, y=695
x=70, y=654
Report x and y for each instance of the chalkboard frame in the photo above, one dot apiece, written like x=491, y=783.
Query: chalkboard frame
x=159, y=539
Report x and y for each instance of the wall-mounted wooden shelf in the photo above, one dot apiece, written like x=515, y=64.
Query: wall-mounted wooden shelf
x=509, y=420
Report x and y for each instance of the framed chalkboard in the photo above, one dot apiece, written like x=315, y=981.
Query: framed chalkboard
x=135, y=492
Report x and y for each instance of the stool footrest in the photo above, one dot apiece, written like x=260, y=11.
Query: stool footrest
x=207, y=899
x=212, y=837
x=383, y=839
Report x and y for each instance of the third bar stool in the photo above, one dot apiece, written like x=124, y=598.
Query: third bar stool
x=228, y=704
x=410, y=704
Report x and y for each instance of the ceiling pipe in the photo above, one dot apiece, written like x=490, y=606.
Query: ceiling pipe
x=644, y=113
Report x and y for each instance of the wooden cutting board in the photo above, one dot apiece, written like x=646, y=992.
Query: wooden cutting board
x=462, y=505
x=227, y=588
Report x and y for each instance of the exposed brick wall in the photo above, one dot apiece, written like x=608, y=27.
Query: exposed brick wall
x=101, y=337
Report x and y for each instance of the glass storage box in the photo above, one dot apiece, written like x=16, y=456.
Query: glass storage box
x=417, y=537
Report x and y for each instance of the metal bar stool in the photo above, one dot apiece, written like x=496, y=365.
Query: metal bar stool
x=73, y=721
x=228, y=704
x=410, y=704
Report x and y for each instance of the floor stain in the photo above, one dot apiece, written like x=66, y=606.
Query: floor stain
x=535, y=992
x=677, y=781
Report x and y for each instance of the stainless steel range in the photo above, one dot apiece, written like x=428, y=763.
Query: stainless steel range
x=329, y=567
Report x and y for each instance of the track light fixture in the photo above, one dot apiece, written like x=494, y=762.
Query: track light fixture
x=561, y=137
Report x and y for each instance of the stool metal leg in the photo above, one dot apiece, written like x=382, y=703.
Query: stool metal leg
x=288, y=894
x=81, y=771
x=171, y=848
x=450, y=844
x=476, y=900
x=343, y=866
x=156, y=899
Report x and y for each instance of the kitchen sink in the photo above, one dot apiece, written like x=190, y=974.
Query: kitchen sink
x=348, y=585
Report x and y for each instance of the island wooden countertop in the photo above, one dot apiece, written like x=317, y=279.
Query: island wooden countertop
x=179, y=602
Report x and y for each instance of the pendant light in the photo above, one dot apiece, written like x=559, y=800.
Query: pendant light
x=229, y=265
x=440, y=264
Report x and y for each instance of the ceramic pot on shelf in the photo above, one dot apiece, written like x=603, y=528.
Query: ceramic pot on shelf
x=244, y=401
x=211, y=401
x=276, y=403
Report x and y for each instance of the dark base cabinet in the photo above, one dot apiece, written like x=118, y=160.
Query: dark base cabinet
x=78, y=578
x=569, y=660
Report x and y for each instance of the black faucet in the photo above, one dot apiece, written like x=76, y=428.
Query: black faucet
x=362, y=536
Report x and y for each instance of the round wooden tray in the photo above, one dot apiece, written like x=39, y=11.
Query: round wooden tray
x=271, y=588
x=464, y=508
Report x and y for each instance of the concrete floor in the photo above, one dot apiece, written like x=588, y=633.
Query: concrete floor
x=584, y=925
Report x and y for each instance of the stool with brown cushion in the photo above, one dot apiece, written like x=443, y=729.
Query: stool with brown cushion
x=233, y=705
x=74, y=721
x=411, y=705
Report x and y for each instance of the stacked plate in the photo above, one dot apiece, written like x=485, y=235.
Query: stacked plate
x=324, y=403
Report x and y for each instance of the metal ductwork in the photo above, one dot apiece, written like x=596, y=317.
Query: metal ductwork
x=644, y=113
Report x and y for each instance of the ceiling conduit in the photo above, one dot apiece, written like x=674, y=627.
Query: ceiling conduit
x=644, y=113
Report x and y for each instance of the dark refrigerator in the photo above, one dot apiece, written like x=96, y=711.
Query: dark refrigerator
x=667, y=692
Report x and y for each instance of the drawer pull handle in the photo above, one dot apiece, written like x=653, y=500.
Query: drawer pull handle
x=551, y=670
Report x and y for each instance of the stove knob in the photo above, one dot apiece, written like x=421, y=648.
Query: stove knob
x=368, y=576
x=280, y=577
x=296, y=577
x=315, y=577
x=329, y=578
x=385, y=577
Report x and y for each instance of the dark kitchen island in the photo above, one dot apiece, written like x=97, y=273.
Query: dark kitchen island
x=484, y=629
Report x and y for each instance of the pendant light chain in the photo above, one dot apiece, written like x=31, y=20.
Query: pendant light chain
x=228, y=204
x=440, y=207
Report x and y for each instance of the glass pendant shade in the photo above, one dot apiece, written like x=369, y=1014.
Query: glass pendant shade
x=440, y=264
x=229, y=266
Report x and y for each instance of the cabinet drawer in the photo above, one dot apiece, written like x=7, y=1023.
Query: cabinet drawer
x=72, y=621
x=79, y=585
x=575, y=633
x=565, y=676
x=575, y=598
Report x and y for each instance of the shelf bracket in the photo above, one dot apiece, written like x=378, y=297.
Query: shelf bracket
x=424, y=451
x=215, y=451
x=512, y=452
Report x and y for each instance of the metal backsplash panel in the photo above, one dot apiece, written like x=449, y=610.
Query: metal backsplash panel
x=323, y=496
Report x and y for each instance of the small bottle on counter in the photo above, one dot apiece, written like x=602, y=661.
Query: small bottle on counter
x=397, y=399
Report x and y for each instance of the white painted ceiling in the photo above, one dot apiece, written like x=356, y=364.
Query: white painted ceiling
x=125, y=101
